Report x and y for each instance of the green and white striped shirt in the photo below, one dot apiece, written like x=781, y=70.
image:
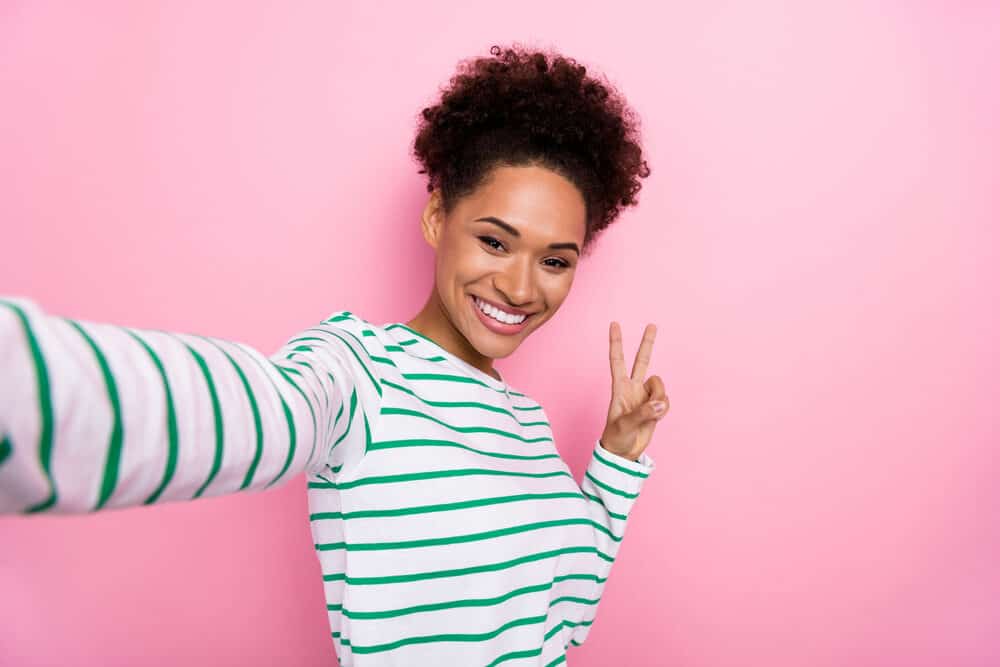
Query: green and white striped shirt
x=449, y=530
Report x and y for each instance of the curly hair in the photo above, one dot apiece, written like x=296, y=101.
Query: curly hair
x=533, y=108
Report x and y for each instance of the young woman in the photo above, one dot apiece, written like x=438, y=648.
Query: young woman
x=448, y=529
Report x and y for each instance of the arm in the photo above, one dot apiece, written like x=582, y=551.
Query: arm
x=611, y=485
x=619, y=465
x=96, y=416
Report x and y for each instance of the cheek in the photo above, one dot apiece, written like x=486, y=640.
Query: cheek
x=449, y=257
x=458, y=264
x=556, y=289
x=471, y=262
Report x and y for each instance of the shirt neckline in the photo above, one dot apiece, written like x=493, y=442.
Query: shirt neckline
x=462, y=365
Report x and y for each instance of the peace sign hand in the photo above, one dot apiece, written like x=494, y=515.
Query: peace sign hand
x=637, y=404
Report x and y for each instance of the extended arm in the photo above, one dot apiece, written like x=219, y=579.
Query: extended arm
x=96, y=416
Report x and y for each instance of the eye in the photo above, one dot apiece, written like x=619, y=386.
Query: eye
x=490, y=241
x=487, y=239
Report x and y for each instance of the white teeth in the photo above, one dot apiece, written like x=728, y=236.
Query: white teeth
x=498, y=314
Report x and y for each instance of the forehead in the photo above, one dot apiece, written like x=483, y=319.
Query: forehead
x=536, y=200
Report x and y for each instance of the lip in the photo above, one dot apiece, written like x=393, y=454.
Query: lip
x=495, y=326
x=506, y=309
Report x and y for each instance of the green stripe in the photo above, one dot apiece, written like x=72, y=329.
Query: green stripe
x=387, y=361
x=463, y=429
x=350, y=418
x=608, y=487
x=258, y=427
x=611, y=464
x=568, y=623
x=340, y=410
x=558, y=661
x=172, y=434
x=515, y=655
x=452, y=637
x=220, y=437
x=435, y=474
x=284, y=373
x=462, y=539
x=364, y=366
x=6, y=448
x=382, y=360
x=479, y=637
x=469, y=602
x=367, y=332
x=368, y=434
x=46, y=421
x=290, y=419
x=421, y=442
x=400, y=325
x=548, y=635
x=465, y=404
x=600, y=502
x=326, y=402
x=298, y=339
x=113, y=460
x=442, y=507
x=444, y=377
x=475, y=569
x=399, y=348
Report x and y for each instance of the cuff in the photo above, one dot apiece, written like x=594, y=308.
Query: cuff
x=645, y=463
x=617, y=474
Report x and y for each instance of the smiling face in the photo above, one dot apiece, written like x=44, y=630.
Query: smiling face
x=512, y=243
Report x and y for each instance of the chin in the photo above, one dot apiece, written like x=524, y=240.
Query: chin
x=500, y=353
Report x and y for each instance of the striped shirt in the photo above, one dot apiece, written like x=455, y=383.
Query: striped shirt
x=449, y=531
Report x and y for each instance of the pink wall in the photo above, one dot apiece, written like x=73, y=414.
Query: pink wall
x=818, y=244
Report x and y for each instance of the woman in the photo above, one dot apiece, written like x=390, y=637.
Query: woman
x=448, y=528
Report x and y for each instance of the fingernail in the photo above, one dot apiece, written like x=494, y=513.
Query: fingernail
x=659, y=407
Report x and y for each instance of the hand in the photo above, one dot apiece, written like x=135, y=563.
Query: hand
x=632, y=415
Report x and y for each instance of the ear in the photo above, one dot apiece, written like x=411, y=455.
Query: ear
x=432, y=219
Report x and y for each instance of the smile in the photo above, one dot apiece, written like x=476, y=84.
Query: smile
x=497, y=314
x=497, y=320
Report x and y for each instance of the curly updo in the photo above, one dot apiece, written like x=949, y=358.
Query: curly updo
x=532, y=107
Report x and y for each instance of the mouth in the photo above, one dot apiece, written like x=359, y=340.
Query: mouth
x=495, y=325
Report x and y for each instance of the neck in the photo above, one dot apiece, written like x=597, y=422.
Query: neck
x=433, y=322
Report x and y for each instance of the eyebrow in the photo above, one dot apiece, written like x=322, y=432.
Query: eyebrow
x=513, y=232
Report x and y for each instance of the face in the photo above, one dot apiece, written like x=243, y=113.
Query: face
x=513, y=243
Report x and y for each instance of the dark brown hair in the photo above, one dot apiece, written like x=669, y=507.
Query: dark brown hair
x=523, y=107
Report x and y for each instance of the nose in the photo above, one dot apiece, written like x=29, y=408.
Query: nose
x=517, y=282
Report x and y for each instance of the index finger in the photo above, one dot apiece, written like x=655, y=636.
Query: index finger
x=617, y=357
x=644, y=353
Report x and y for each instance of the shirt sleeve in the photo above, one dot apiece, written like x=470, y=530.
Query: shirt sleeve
x=611, y=485
x=96, y=416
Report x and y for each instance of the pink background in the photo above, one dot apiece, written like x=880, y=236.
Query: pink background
x=818, y=245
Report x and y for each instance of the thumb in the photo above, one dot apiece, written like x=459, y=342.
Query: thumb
x=652, y=409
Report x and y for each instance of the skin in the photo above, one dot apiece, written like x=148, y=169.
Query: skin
x=475, y=257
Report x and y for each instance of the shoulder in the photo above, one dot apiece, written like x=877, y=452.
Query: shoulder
x=342, y=333
x=351, y=323
x=343, y=328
